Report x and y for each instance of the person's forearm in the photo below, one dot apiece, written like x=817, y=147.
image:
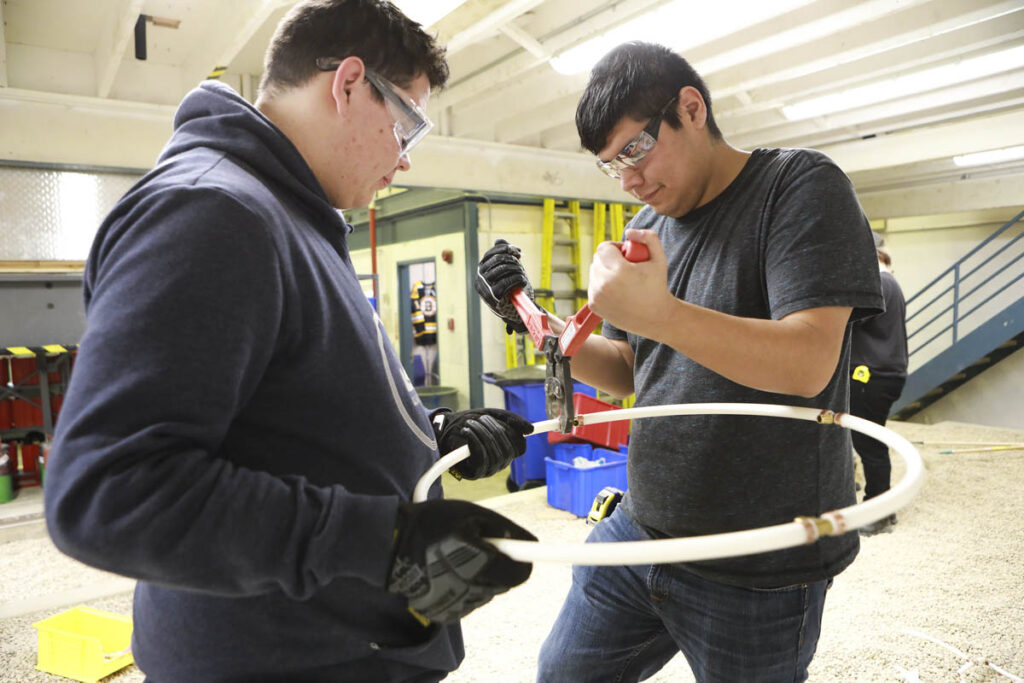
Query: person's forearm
x=796, y=355
x=600, y=362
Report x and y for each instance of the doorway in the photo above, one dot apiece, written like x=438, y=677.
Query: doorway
x=417, y=319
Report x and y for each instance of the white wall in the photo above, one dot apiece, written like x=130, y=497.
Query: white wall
x=995, y=397
x=452, y=344
x=924, y=247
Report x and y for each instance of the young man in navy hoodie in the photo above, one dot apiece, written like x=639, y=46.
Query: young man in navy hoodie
x=239, y=435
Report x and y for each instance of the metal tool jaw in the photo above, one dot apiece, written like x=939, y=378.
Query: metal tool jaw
x=559, y=350
x=558, y=386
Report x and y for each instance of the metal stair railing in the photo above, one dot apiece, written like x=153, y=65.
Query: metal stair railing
x=981, y=279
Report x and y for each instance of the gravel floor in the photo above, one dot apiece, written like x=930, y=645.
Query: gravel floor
x=953, y=569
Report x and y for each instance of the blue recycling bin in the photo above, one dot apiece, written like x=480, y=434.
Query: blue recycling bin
x=524, y=395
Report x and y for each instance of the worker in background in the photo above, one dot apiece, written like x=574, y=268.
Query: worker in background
x=878, y=362
x=758, y=263
x=423, y=304
x=239, y=434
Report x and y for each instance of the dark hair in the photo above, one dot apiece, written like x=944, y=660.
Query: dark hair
x=635, y=80
x=388, y=42
x=883, y=256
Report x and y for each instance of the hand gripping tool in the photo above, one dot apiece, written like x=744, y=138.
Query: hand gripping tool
x=559, y=350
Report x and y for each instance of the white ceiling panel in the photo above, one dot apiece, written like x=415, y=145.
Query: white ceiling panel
x=758, y=58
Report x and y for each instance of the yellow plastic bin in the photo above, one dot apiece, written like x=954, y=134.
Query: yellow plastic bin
x=84, y=644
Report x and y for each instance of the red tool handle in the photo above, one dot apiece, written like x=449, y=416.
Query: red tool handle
x=534, y=317
x=579, y=326
x=635, y=252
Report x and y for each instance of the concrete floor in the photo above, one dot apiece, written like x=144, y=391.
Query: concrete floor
x=950, y=569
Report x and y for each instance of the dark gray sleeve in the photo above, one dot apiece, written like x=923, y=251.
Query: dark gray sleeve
x=819, y=250
x=611, y=332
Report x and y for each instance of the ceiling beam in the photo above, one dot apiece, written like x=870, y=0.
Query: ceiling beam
x=221, y=47
x=490, y=24
x=491, y=167
x=493, y=79
x=465, y=15
x=856, y=42
x=520, y=99
x=563, y=135
x=126, y=108
x=527, y=124
x=528, y=42
x=116, y=29
x=800, y=25
x=933, y=107
x=523, y=99
x=996, y=33
x=3, y=50
x=964, y=194
x=933, y=142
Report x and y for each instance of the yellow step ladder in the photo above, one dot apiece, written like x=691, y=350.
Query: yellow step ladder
x=560, y=286
x=614, y=217
x=560, y=266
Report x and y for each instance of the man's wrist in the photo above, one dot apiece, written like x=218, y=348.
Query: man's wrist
x=437, y=418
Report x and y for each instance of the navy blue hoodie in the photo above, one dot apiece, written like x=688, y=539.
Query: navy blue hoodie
x=239, y=431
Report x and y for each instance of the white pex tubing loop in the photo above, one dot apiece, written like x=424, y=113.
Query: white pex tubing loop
x=801, y=531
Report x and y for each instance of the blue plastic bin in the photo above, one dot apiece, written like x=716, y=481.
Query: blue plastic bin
x=527, y=399
x=574, y=488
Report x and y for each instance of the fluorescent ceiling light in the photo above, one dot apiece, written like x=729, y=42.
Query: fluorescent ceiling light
x=909, y=84
x=993, y=156
x=427, y=12
x=674, y=25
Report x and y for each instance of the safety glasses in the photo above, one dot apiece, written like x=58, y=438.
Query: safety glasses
x=637, y=148
x=411, y=122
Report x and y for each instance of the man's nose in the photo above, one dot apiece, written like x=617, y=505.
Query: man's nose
x=630, y=179
x=404, y=164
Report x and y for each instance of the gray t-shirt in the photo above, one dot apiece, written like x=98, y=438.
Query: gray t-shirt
x=786, y=235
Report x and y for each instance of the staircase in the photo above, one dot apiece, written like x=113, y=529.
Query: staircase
x=966, y=320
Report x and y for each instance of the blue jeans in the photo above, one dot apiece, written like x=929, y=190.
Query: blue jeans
x=624, y=623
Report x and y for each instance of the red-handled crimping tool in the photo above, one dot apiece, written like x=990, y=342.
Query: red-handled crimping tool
x=559, y=350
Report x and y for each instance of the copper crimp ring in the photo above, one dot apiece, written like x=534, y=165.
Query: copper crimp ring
x=837, y=520
x=810, y=527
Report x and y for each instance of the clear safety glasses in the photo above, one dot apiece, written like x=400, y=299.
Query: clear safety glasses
x=637, y=148
x=411, y=122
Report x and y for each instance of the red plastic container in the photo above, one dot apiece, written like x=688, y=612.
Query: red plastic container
x=25, y=414
x=606, y=434
x=6, y=421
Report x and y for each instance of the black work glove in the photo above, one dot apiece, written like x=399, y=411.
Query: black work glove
x=442, y=564
x=498, y=274
x=494, y=437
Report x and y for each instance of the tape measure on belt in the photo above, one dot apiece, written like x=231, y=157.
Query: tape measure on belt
x=861, y=374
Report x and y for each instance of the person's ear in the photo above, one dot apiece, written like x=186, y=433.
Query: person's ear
x=350, y=73
x=691, y=106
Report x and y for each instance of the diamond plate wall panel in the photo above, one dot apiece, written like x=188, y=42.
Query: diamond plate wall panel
x=52, y=215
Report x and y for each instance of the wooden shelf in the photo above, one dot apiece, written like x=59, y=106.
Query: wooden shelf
x=75, y=267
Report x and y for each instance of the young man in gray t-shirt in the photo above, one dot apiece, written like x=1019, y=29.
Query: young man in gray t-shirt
x=759, y=261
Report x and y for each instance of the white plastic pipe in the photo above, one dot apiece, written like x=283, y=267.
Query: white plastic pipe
x=693, y=548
